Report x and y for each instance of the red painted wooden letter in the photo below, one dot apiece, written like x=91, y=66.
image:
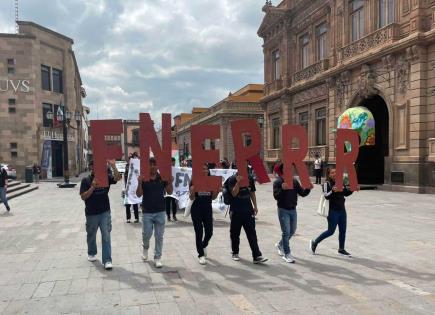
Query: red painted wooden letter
x=103, y=151
x=200, y=156
x=248, y=153
x=346, y=160
x=149, y=142
x=295, y=156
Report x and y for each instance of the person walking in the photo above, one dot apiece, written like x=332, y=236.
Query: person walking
x=287, y=200
x=36, y=170
x=318, y=169
x=171, y=203
x=202, y=217
x=337, y=213
x=153, y=207
x=97, y=211
x=4, y=188
x=243, y=209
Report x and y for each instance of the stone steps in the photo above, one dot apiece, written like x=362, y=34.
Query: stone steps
x=16, y=189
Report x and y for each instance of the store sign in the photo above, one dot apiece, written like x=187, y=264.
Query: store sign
x=15, y=85
x=55, y=136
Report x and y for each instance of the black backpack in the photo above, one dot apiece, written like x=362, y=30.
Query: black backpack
x=226, y=192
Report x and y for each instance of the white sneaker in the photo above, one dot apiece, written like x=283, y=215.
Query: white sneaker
x=202, y=260
x=205, y=252
x=108, y=265
x=158, y=263
x=144, y=254
x=92, y=258
x=288, y=259
x=279, y=249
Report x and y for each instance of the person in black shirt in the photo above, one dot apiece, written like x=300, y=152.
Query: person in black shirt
x=4, y=188
x=243, y=209
x=287, y=200
x=97, y=210
x=337, y=213
x=202, y=217
x=171, y=203
x=153, y=205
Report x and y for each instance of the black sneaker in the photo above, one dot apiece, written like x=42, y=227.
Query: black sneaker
x=8, y=209
x=236, y=257
x=169, y=220
x=128, y=221
x=344, y=253
x=259, y=260
x=313, y=246
x=175, y=219
x=136, y=221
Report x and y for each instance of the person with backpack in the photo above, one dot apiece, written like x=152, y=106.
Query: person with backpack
x=337, y=213
x=4, y=188
x=243, y=209
x=202, y=217
x=287, y=200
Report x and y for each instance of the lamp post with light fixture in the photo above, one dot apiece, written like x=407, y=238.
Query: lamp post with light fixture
x=260, y=122
x=65, y=118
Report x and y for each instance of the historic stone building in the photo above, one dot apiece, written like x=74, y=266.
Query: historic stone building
x=323, y=57
x=243, y=104
x=39, y=75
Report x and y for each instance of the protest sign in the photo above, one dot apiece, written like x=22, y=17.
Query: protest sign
x=130, y=189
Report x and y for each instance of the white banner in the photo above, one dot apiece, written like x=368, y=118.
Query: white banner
x=130, y=189
x=182, y=177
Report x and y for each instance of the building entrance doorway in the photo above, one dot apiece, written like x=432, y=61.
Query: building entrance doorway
x=57, y=158
x=370, y=164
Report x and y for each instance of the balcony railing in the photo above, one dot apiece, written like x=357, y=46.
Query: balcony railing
x=385, y=35
x=311, y=71
x=431, y=155
x=272, y=154
x=317, y=150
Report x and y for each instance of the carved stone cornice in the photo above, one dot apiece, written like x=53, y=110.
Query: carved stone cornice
x=403, y=69
x=366, y=83
x=311, y=94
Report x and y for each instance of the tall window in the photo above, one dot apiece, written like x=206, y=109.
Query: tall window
x=321, y=41
x=357, y=18
x=303, y=120
x=276, y=70
x=45, y=121
x=276, y=133
x=45, y=78
x=135, y=137
x=57, y=81
x=305, y=40
x=386, y=12
x=321, y=126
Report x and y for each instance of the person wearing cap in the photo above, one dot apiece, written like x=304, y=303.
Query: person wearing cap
x=97, y=211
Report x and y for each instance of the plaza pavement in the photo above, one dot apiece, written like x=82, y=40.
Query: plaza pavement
x=391, y=235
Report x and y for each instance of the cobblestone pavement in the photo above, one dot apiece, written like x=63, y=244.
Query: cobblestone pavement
x=391, y=235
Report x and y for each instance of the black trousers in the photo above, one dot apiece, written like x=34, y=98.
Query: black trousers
x=202, y=219
x=245, y=219
x=170, y=205
x=128, y=211
x=318, y=174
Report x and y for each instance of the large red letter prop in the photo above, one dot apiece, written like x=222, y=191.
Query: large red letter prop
x=295, y=156
x=346, y=160
x=103, y=151
x=200, y=156
x=250, y=152
x=148, y=141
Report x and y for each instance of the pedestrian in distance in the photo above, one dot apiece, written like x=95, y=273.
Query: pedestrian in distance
x=287, y=200
x=4, y=188
x=243, y=209
x=171, y=203
x=128, y=205
x=318, y=169
x=153, y=207
x=98, y=214
x=202, y=217
x=337, y=213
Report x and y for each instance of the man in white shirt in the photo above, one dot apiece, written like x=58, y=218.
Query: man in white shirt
x=318, y=169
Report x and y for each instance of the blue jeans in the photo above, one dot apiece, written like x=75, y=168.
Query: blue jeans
x=3, y=197
x=288, y=219
x=104, y=222
x=335, y=218
x=152, y=221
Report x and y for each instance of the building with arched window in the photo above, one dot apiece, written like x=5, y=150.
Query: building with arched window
x=324, y=57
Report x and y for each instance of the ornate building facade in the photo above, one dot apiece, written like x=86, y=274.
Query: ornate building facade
x=323, y=57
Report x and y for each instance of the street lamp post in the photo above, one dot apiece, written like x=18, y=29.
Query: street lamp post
x=260, y=122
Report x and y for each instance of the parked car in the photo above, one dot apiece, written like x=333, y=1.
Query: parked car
x=12, y=173
x=121, y=165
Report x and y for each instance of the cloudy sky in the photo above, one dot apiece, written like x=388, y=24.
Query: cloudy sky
x=154, y=55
